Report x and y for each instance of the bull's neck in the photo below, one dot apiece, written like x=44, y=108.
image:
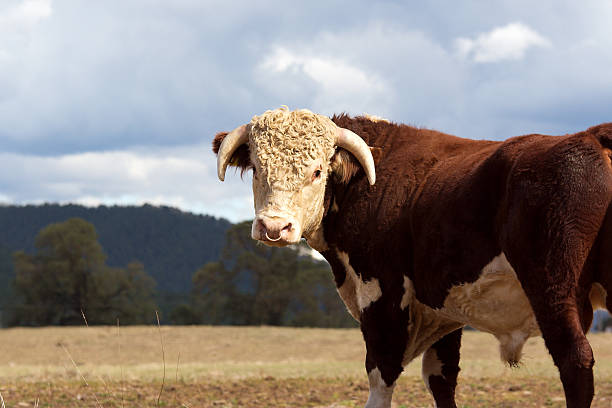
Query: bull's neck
x=316, y=237
x=338, y=218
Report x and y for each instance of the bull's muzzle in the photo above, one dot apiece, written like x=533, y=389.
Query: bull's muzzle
x=276, y=231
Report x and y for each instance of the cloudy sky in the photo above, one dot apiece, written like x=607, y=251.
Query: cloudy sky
x=117, y=101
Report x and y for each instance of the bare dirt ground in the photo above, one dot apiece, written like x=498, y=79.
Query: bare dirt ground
x=255, y=367
x=290, y=392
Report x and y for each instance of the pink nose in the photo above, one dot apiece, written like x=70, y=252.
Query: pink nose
x=274, y=229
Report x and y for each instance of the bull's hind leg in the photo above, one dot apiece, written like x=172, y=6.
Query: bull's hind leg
x=551, y=282
x=560, y=324
x=441, y=367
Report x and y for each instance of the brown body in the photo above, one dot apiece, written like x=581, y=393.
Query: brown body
x=443, y=213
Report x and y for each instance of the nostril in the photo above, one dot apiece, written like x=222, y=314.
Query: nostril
x=261, y=226
x=288, y=227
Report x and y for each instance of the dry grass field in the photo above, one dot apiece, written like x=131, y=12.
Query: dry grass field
x=254, y=367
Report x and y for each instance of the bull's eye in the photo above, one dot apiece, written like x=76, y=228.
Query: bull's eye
x=316, y=174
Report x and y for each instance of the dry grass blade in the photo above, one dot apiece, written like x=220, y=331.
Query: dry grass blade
x=81, y=374
x=161, y=340
x=84, y=318
x=2, y=400
x=97, y=376
x=120, y=367
x=178, y=360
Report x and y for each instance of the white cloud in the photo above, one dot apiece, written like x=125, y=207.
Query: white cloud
x=337, y=83
x=402, y=74
x=25, y=14
x=35, y=10
x=18, y=25
x=182, y=177
x=509, y=42
x=332, y=74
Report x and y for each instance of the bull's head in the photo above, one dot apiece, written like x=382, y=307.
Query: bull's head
x=292, y=154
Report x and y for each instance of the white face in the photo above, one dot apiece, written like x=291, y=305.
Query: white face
x=291, y=154
x=286, y=212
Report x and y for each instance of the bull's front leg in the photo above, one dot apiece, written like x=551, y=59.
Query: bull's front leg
x=441, y=367
x=384, y=328
x=377, y=304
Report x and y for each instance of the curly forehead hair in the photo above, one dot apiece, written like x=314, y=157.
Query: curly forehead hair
x=286, y=141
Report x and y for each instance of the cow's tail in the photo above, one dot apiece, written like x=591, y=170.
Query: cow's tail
x=603, y=268
x=601, y=291
x=603, y=273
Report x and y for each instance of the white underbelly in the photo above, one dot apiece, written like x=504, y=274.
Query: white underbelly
x=495, y=303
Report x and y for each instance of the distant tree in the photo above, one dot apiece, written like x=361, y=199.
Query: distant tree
x=121, y=293
x=316, y=303
x=7, y=277
x=68, y=277
x=184, y=314
x=253, y=284
x=216, y=297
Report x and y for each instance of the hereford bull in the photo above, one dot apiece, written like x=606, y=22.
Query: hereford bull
x=427, y=232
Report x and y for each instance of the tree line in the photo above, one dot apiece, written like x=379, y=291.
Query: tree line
x=65, y=280
x=170, y=243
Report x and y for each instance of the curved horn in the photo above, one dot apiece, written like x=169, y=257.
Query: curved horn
x=355, y=144
x=231, y=142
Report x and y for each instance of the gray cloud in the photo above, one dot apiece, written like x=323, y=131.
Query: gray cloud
x=123, y=83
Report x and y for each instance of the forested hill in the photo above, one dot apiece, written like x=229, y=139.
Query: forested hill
x=171, y=244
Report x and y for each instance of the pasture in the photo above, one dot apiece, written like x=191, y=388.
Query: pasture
x=255, y=367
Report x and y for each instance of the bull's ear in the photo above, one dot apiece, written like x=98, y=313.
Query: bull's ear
x=241, y=156
x=217, y=141
x=344, y=165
